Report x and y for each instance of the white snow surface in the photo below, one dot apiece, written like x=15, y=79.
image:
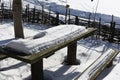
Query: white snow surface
x=104, y=6
x=114, y=74
x=88, y=50
x=46, y=39
x=93, y=68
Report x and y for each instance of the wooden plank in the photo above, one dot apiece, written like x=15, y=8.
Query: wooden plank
x=36, y=57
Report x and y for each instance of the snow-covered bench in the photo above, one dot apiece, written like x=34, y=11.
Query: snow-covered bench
x=34, y=49
x=105, y=60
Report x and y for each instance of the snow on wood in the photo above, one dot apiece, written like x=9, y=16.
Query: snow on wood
x=95, y=66
x=46, y=39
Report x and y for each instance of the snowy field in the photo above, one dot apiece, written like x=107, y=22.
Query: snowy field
x=88, y=51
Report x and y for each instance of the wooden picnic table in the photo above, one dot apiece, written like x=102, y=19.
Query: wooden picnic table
x=36, y=60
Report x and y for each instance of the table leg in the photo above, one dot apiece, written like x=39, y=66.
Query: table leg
x=37, y=70
x=71, y=56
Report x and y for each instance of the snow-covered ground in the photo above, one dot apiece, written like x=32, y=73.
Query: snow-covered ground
x=88, y=51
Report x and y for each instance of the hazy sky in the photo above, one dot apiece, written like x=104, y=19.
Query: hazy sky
x=111, y=7
x=104, y=6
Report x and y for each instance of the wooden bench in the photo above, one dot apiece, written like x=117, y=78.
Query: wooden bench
x=36, y=60
x=98, y=68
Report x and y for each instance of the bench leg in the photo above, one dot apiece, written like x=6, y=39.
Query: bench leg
x=71, y=56
x=37, y=70
x=110, y=64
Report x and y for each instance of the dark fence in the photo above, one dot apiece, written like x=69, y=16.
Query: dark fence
x=106, y=31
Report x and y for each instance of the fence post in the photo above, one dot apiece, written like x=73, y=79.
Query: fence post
x=57, y=19
x=2, y=10
x=49, y=15
x=89, y=20
x=33, y=15
x=99, y=27
x=69, y=17
x=76, y=20
x=38, y=16
x=42, y=13
x=66, y=13
x=28, y=13
x=112, y=29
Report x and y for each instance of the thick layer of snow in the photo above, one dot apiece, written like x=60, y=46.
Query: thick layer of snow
x=46, y=39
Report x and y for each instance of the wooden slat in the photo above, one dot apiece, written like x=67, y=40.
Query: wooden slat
x=36, y=57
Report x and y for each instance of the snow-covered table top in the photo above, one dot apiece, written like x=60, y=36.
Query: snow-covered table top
x=50, y=41
x=45, y=39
